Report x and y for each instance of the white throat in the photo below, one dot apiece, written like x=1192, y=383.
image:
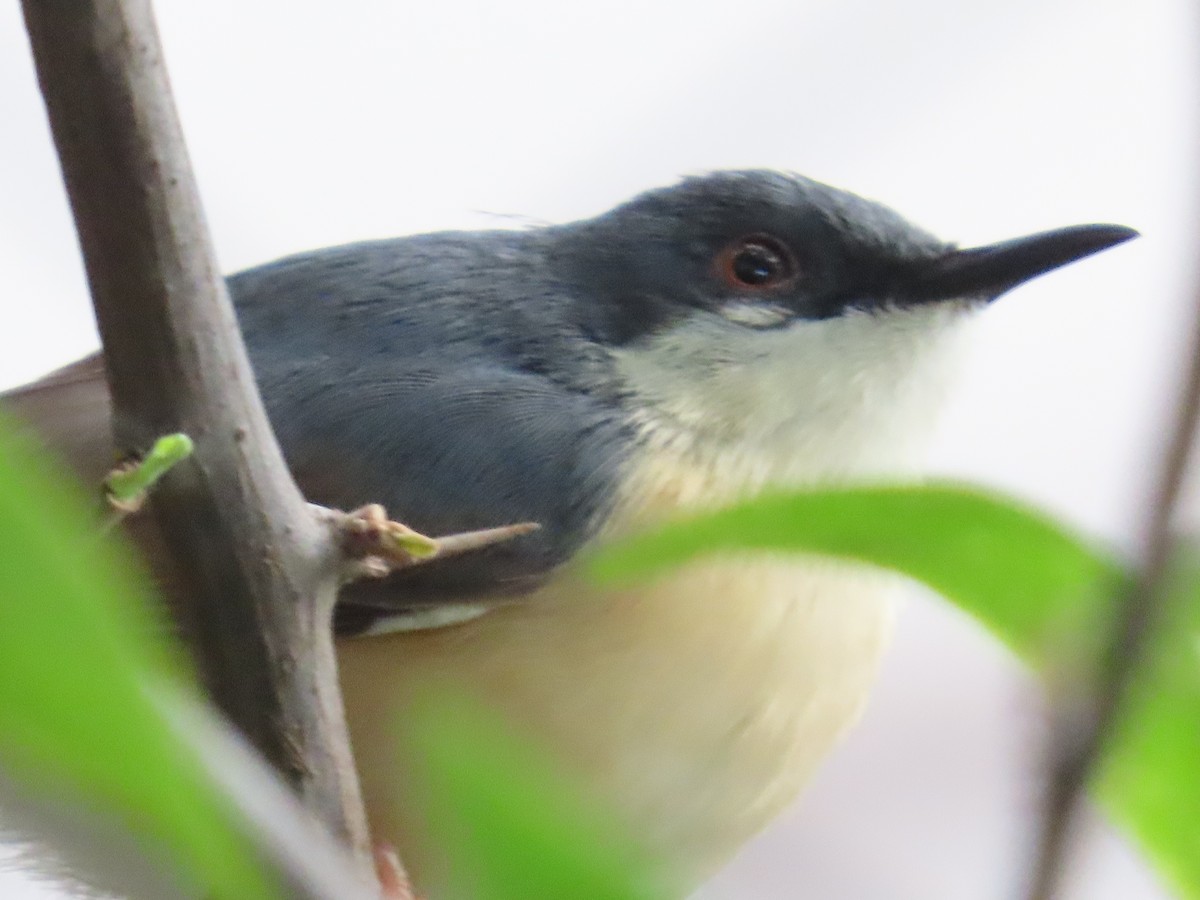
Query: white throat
x=851, y=397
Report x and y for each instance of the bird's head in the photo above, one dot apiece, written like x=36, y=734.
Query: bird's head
x=772, y=324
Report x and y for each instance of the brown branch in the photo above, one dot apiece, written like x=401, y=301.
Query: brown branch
x=1084, y=725
x=262, y=570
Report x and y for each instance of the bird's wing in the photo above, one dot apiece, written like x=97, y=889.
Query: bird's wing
x=70, y=410
x=452, y=449
x=443, y=450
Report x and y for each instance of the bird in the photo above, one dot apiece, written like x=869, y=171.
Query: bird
x=732, y=333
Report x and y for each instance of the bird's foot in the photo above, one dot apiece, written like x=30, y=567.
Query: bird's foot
x=393, y=880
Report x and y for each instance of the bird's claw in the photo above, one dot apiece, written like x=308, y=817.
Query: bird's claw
x=393, y=880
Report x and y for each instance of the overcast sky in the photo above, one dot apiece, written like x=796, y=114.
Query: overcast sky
x=318, y=123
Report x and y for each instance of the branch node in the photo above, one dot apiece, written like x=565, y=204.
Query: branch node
x=374, y=546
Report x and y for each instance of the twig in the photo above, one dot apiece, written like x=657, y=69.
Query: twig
x=261, y=571
x=1082, y=729
x=470, y=541
x=375, y=546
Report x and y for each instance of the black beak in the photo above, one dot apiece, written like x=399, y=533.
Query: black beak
x=987, y=272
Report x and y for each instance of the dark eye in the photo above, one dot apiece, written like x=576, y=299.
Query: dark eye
x=758, y=261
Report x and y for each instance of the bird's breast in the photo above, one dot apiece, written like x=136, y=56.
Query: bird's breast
x=692, y=709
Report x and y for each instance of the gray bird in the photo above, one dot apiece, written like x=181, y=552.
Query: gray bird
x=734, y=332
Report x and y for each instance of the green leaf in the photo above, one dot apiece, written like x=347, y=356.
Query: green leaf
x=1150, y=779
x=83, y=669
x=511, y=828
x=1047, y=594
x=1026, y=578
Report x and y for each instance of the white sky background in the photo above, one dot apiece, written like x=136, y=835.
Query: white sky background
x=313, y=124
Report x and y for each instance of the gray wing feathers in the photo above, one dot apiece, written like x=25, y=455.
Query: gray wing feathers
x=456, y=451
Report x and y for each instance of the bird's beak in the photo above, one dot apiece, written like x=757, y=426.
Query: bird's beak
x=987, y=272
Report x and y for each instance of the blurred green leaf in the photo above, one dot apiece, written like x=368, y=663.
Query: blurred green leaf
x=510, y=827
x=83, y=665
x=1046, y=593
x=1025, y=577
x=1150, y=780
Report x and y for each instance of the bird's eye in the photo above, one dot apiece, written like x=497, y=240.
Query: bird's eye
x=756, y=262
